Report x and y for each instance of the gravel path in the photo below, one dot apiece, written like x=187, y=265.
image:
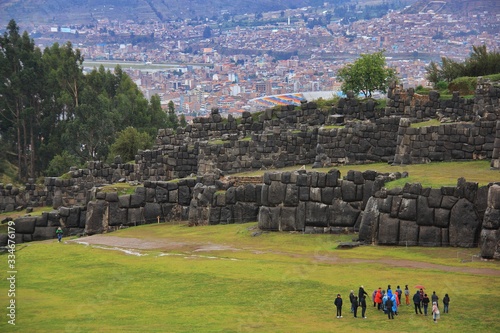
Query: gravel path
x=166, y=244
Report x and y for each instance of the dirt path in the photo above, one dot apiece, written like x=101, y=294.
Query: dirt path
x=132, y=245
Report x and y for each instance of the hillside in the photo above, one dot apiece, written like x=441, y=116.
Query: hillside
x=465, y=7
x=90, y=11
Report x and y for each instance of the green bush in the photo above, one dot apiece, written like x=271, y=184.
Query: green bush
x=464, y=85
x=61, y=163
x=442, y=85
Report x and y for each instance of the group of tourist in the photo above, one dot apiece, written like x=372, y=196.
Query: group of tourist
x=389, y=302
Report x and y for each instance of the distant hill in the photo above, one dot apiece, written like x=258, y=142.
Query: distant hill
x=88, y=11
x=461, y=7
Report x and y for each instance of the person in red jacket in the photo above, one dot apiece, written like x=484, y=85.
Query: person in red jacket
x=378, y=298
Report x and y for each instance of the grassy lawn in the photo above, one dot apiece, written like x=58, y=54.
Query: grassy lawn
x=273, y=282
x=435, y=175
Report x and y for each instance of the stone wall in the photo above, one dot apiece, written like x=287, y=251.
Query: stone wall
x=490, y=234
x=447, y=142
x=218, y=201
x=449, y=216
x=407, y=103
x=357, y=142
x=306, y=201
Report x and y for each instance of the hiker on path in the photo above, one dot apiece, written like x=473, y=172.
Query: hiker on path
x=59, y=233
x=416, y=301
x=446, y=302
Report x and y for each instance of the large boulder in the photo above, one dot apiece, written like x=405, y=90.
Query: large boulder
x=73, y=219
x=245, y=212
x=425, y=214
x=269, y=218
x=291, y=195
x=25, y=225
x=96, y=218
x=491, y=218
x=464, y=224
x=388, y=230
x=343, y=214
x=116, y=215
x=369, y=220
x=316, y=214
x=408, y=233
x=429, y=236
x=408, y=209
x=489, y=243
x=152, y=212
x=289, y=220
x=43, y=233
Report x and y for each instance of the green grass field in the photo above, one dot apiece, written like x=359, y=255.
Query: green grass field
x=227, y=279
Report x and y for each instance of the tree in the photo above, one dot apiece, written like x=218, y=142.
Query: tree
x=366, y=75
x=182, y=121
x=173, y=121
x=207, y=32
x=128, y=142
x=21, y=96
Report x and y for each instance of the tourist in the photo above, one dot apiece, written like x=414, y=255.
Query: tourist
x=361, y=293
x=374, y=294
x=351, y=299
x=338, y=304
x=59, y=233
x=362, y=303
x=388, y=305
x=407, y=295
x=446, y=302
x=355, y=306
x=378, y=298
x=425, y=303
x=434, y=298
x=416, y=301
x=385, y=297
x=399, y=292
x=435, y=312
x=395, y=303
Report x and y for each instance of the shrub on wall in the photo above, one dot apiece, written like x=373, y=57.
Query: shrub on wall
x=464, y=85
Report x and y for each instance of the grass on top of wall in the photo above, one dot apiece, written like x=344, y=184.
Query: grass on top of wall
x=435, y=174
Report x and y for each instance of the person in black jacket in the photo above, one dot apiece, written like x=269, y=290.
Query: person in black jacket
x=351, y=299
x=362, y=303
x=435, y=298
x=388, y=305
x=446, y=302
x=355, y=305
x=361, y=293
x=425, y=303
x=416, y=301
x=338, y=304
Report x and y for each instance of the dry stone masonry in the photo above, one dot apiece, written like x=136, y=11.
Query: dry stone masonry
x=187, y=174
